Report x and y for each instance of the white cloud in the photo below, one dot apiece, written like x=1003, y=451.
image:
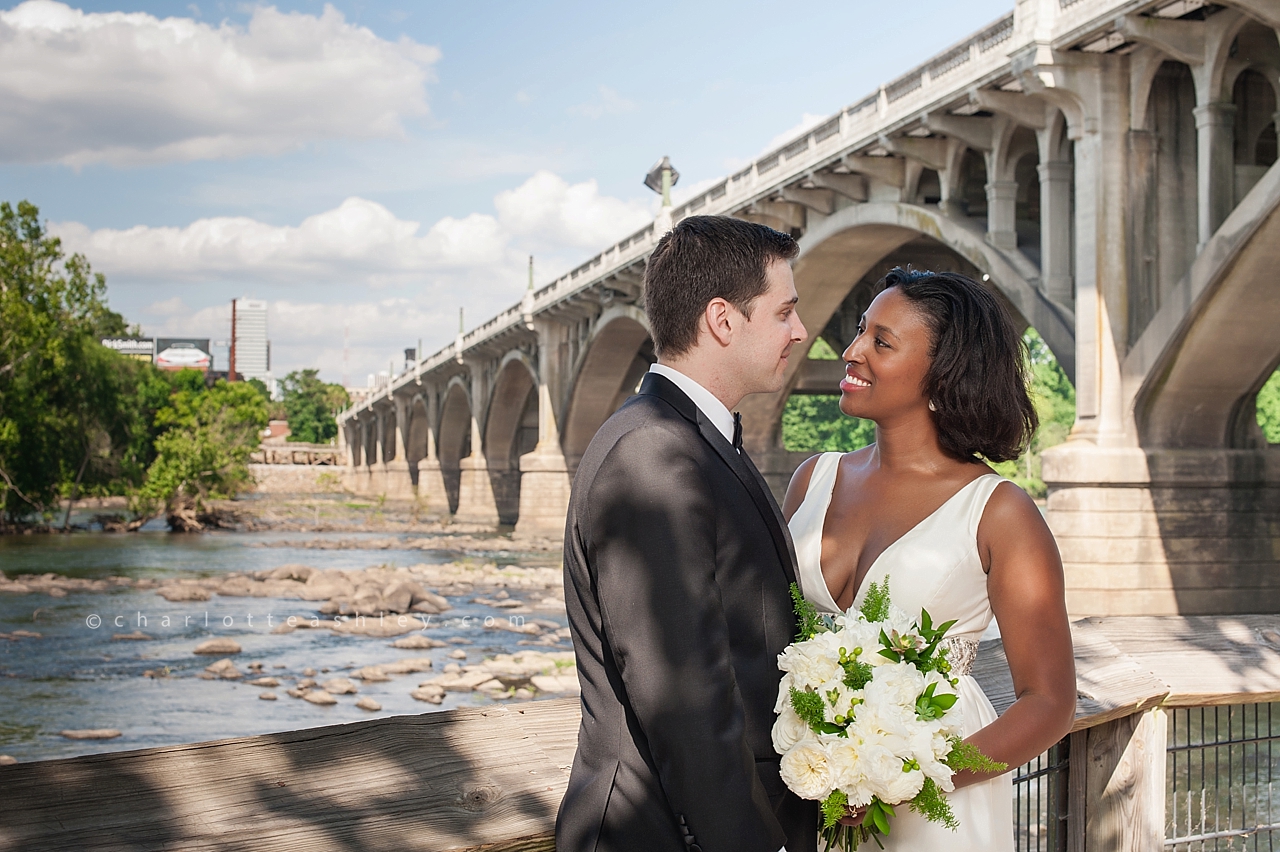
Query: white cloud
x=337, y=261
x=130, y=88
x=174, y=306
x=606, y=102
x=549, y=208
x=358, y=238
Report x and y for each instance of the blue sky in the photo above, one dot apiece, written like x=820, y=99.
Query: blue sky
x=372, y=166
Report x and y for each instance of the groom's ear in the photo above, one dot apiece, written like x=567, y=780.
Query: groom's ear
x=718, y=317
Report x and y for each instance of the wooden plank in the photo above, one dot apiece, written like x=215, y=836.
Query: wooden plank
x=1204, y=660
x=473, y=778
x=1109, y=684
x=1124, y=765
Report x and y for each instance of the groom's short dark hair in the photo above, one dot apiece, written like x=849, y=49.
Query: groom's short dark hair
x=704, y=258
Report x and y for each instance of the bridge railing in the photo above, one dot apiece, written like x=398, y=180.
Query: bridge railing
x=1173, y=746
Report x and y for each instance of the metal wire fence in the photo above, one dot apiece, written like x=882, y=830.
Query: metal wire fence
x=1222, y=768
x=1040, y=802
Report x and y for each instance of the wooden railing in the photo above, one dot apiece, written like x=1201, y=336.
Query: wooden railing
x=491, y=777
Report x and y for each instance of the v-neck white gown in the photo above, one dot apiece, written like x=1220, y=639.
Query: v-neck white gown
x=934, y=566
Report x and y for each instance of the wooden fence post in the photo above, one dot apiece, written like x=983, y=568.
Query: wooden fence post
x=1123, y=788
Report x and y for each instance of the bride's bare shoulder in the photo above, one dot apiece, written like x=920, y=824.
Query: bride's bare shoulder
x=1012, y=523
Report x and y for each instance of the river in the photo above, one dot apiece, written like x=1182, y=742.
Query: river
x=76, y=676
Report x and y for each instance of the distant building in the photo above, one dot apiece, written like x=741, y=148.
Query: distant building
x=253, y=349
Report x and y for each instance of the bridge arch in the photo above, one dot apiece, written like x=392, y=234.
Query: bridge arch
x=616, y=358
x=415, y=444
x=1213, y=345
x=511, y=430
x=455, y=436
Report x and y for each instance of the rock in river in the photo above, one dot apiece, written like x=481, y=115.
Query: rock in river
x=319, y=696
x=369, y=704
x=221, y=645
x=339, y=686
x=92, y=734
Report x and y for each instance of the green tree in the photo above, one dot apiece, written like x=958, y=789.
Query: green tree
x=1268, y=406
x=310, y=405
x=202, y=451
x=63, y=424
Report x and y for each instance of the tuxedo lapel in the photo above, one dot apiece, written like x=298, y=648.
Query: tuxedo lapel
x=739, y=463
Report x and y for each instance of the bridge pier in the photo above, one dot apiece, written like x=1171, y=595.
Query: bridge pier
x=545, y=479
x=431, y=491
x=476, y=503
x=399, y=479
x=1165, y=532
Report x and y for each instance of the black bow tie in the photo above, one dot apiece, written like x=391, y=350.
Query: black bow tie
x=737, y=431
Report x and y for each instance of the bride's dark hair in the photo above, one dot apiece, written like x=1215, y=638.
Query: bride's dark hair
x=978, y=379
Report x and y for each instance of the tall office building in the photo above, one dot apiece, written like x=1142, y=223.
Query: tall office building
x=253, y=349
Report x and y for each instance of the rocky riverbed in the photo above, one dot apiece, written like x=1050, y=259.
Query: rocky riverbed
x=315, y=633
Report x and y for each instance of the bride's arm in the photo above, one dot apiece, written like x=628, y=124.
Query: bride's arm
x=1026, y=589
x=799, y=487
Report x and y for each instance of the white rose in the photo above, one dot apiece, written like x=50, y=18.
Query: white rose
x=896, y=683
x=930, y=748
x=809, y=663
x=788, y=730
x=806, y=770
x=880, y=767
x=848, y=775
x=902, y=787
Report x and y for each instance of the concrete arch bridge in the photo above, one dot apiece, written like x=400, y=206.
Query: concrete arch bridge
x=1107, y=166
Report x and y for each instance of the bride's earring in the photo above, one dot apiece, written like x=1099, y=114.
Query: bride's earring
x=932, y=407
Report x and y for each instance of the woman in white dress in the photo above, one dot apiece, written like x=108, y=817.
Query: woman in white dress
x=938, y=366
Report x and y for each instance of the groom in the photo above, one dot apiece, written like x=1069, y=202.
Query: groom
x=677, y=565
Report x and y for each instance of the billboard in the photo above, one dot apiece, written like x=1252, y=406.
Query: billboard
x=139, y=348
x=183, y=353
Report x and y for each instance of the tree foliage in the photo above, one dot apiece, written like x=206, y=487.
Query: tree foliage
x=67, y=404
x=202, y=451
x=310, y=405
x=1268, y=406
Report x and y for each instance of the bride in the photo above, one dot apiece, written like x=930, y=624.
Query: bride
x=938, y=366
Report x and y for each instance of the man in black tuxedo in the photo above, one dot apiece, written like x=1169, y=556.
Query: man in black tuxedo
x=677, y=567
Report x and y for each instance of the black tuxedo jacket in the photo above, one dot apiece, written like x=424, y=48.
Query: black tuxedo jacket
x=677, y=566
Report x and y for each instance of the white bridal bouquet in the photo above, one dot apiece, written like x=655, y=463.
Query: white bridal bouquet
x=867, y=717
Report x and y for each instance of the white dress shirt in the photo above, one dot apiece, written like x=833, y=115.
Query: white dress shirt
x=706, y=401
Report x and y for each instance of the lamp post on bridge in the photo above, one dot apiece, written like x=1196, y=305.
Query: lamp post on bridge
x=660, y=179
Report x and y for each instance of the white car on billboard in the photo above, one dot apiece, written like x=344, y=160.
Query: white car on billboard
x=183, y=357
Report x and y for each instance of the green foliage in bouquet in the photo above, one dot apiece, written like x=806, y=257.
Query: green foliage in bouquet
x=875, y=604
x=809, y=622
x=966, y=757
x=931, y=803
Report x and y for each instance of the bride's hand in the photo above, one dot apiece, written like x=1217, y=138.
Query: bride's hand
x=853, y=817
